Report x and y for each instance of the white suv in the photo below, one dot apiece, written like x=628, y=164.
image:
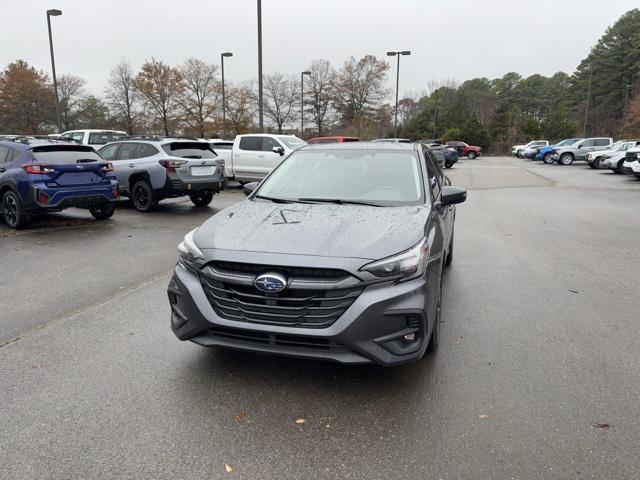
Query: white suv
x=631, y=163
x=93, y=137
x=533, y=146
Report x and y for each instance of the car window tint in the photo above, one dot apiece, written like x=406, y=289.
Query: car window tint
x=196, y=150
x=4, y=150
x=268, y=144
x=251, y=143
x=109, y=152
x=587, y=143
x=102, y=138
x=127, y=151
x=147, y=150
x=13, y=155
x=432, y=174
x=66, y=154
x=601, y=142
x=222, y=146
x=78, y=136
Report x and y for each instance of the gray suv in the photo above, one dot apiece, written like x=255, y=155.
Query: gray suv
x=150, y=169
x=566, y=155
x=339, y=254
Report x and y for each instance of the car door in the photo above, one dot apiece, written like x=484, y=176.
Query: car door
x=124, y=163
x=268, y=159
x=246, y=164
x=601, y=144
x=584, y=148
x=4, y=156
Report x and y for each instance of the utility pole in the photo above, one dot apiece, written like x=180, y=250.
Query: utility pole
x=397, y=55
x=54, y=13
x=260, y=116
x=302, y=74
x=224, y=101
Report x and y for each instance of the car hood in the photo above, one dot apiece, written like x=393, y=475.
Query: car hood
x=314, y=229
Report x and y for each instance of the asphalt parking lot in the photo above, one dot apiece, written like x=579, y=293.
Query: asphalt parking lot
x=537, y=375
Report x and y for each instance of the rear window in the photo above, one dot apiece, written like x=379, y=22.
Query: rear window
x=292, y=142
x=66, y=154
x=102, y=138
x=189, y=150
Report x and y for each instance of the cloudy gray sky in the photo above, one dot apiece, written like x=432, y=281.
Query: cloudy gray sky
x=457, y=39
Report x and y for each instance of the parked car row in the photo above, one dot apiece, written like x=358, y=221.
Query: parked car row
x=597, y=152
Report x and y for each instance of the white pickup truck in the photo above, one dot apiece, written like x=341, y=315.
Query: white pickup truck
x=253, y=156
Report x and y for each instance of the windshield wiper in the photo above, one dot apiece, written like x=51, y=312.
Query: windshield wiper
x=86, y=160
x=274, y=199
x=339, y=201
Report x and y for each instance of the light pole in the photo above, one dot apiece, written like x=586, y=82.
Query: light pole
x=586, y=110
x=302, y=74
x=54, y=13
x=397, y=54
x=260, y=118
x=224, y=102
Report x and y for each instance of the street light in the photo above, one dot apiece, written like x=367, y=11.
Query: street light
x=397, y=54
x=54, y=13
x=260, y=118
x=224, y=103
x=302, y=74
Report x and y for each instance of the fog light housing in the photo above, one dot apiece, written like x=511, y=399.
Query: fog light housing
x=410, y=337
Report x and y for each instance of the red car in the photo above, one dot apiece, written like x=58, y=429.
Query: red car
x=465, y=150
x=334, y=139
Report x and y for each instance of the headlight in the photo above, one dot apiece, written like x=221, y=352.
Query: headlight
x=190, y=255
x=410, y=263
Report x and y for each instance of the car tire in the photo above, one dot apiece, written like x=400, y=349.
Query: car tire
x=142, y=196
x=566, y=159
x=448, y=164
x=103, y=211
x=618, y=168
x=449, y=260
x=13, y=213
x=471, y=155
x=434, y=340
x=547, y=158
x=595, y=164
x=201, y=199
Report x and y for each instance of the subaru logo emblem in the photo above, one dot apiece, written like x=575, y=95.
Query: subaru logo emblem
x=270, y=283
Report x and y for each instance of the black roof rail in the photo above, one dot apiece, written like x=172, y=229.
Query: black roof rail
x=156, y=138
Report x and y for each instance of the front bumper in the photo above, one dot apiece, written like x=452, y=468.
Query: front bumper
x=371, y=330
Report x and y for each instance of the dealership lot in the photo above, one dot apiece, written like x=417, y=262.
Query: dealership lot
x=536, y=376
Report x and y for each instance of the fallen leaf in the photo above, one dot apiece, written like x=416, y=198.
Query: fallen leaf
x=241, y=417
x=483, y=417
x=228, y=468
x=300, y=421
x=603, y=425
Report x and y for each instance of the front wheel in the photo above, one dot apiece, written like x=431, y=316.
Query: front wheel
x=595, y=164
x=471, y=155
x=201, y=199
x=103, y=211
x=448, y=164
x=449, y=258
x=566, y=159
x=618, y=168
x=14, y=215
x=142, y=196
x=547, y=158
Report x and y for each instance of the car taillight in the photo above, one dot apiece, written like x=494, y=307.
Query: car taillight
x=108, y=167
x=171, y=165
x=37, y=168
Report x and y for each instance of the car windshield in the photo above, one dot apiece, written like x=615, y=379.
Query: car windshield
x=102, y=138
x=620, y=145
x=292, y=142
x=195, y=150
x=385, y=178
x=568, y=141
x=66, y=154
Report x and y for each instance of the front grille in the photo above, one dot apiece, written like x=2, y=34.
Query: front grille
x=265, y=339
x=300, y=307
x=631, y=156
x=256, y=269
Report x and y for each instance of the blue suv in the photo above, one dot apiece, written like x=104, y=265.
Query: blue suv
x=37, y=176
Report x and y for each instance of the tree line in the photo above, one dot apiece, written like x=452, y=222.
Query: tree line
x=599, y=98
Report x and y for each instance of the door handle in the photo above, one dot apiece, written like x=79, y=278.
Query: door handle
x=260, y=156
x=131, y=165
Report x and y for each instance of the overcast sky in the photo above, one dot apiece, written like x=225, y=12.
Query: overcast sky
x=457, y=39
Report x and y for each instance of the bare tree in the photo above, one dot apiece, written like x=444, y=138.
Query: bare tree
x=280, y=98
x=202, y=93
x=160, y=86
x=359, y=89
x=121, y=96
x=240, y=107
x=318, y=84
x=433, y=85
x=70, y=94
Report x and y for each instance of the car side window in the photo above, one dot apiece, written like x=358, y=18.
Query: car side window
x=268, y=144
x=127, y=151
x=251, y=143
x=13, y=155
x=77, y=137
x=146, y=150
x=601, y=142
x=587, y=143
x=109, y=152
x=3, y=153
x=432, y=174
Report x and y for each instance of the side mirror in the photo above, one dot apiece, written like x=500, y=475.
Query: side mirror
x=279, y=150
x=248, y=188
x=580, y=146
x=452, y=195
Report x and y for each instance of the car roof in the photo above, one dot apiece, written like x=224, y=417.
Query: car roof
x=24, y=146
x=361, y=146
x=94, y=130
x=266, y=135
